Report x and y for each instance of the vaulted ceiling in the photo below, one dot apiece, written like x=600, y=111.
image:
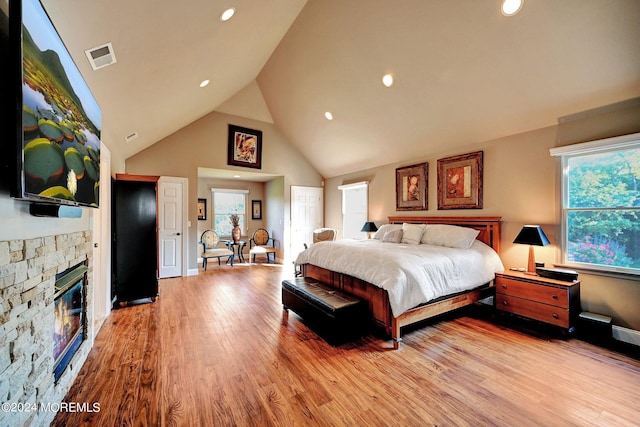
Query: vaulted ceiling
x=464, y=73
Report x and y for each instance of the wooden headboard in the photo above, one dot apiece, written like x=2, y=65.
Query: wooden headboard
x=489, y=226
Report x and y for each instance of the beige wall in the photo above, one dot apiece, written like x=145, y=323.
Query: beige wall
x=509, y=167
x=522, y=185
x=204, y=144
x=277, y=204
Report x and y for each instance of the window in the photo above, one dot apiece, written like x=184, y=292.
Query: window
x=354, y=209
x=225, y=203
x=601, y=204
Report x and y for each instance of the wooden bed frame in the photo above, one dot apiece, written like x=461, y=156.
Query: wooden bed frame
x=378, y=299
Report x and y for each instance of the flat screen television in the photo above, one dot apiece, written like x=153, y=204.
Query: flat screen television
x=57, y=150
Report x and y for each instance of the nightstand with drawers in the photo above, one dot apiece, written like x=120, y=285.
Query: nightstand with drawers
x=547, y=300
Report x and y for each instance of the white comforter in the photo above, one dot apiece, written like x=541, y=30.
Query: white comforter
x=411, y=274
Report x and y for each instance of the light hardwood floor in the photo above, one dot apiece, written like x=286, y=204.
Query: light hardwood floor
x=216, y=349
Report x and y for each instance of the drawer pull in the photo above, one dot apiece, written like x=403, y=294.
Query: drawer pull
x=554, y=296
x=504, y=286
x=504, y=302
x=555, y=315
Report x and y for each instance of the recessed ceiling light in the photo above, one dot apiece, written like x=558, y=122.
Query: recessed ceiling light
x=204, y=83
x=236, y=176
x=387, y=80
x=328, y=115
x=227, y=14
x=511, y=7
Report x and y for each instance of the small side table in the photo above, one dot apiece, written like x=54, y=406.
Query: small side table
x=239, y=247
x=547, y=300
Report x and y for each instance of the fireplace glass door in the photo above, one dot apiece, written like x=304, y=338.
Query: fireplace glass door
x=69, y=323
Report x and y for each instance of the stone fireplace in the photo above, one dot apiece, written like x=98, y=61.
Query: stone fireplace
x=28, y=302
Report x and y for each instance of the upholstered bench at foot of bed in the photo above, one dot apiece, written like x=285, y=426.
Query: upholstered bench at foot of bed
x=335, y=316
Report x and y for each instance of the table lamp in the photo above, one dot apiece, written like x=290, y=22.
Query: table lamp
x=369, y=227
x=531, y=235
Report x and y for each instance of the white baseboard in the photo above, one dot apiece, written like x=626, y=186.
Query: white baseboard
x=630, y=336
x=192, y=272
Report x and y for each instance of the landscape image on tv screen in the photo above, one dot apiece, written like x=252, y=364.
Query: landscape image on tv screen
x=60, y=118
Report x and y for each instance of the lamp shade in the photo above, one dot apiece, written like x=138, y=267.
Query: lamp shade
x=369, y=227
x=532, y=235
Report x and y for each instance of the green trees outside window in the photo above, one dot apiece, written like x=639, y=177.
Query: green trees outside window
x=602, y=208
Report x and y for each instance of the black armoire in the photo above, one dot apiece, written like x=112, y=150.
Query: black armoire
x=135, y=247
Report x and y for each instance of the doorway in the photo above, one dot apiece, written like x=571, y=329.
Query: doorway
x=307, y=214
x=172, y=230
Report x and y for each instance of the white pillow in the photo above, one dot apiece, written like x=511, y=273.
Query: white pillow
x=384, y=228
x=393, y=236
x=451, y=236
x=412, y=233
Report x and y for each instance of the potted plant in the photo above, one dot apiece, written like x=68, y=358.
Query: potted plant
x=235, y=232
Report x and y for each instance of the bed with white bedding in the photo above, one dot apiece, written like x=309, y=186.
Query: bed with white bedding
x=429, y=267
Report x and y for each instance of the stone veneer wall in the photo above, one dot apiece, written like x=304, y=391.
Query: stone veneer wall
x=27, y=278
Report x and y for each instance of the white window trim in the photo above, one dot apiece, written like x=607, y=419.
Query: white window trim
x=618, y=142
x=228, y=190
x=353, y=186
x=614, y=143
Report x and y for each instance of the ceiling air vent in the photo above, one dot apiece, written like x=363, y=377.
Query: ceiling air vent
x=131, y=137
x=101, y=56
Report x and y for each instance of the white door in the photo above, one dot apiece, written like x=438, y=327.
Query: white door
x=306, y=215
x=171, y=233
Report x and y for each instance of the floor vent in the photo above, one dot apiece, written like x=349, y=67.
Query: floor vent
x=101, y=56
x=630, y=336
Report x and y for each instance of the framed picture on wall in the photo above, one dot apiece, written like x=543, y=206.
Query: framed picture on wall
x=460, y=181
x=202, y=209
x=245, y=147
x=256, y=209
x=411, y=187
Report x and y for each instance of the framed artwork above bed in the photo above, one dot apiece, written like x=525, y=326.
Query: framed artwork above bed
x=460, y=181
x=411, y=187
